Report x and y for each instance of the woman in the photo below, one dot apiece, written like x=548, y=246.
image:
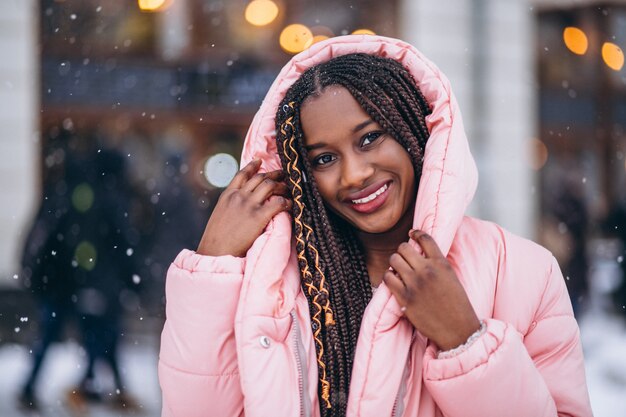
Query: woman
x=304, y=297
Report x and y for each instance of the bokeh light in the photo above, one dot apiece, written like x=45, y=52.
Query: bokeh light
x=538, y=154
x=296, y=38
x=363, y=31
x=152, y=5
x=319, y=38
x=322, y=30
x=261, y=12
x=220, y=169
x=85, y=255
x=321, y=33
x=575, y=40
x=82, y=197
x=613, y=56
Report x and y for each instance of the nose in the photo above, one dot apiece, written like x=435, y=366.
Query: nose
x=355, y=170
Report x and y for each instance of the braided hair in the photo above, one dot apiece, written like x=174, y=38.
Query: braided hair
x=332, y=265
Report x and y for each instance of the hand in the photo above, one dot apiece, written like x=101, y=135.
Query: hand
x=243, y=210
x=435, y=301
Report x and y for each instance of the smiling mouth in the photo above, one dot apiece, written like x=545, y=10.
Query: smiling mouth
x=372, y=196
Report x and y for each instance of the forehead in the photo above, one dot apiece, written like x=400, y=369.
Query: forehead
x=330, y=115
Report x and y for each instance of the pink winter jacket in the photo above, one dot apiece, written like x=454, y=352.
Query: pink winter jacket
x=237, y=339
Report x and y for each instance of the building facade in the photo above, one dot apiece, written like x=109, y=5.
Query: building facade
x=185, y=81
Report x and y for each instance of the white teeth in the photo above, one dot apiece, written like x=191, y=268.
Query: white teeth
x=371, y=196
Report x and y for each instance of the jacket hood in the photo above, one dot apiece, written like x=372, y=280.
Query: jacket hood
x=449, y=176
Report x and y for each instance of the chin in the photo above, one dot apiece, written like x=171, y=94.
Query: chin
x=374, y=227
x=374, y=231
x=374, y=223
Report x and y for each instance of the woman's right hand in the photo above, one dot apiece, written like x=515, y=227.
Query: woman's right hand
x=243, y=210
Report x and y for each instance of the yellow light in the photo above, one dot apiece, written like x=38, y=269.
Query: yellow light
x=575, y=40
x=613, y=56
x=322, y=30
x=261, y=12
x=363, y=32
x=296, y=38
x=319, y=38
x=151, y=5
x=538, y=154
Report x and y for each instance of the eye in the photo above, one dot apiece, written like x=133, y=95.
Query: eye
x=323, y=159
x=370, y=138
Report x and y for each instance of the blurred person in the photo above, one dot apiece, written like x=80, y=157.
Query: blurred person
x=47, y=264
x=91, y=261
x=615, y=226
x=569, y=210
x=104, y=266
x=338, y=274
x=176, y=219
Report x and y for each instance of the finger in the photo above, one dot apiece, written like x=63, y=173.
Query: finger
x=401, y=266
x=275, y=205
x=411, y=255
x=257, y=179
x=427, y=243
x=396, y=286
x=267, y=189
x=245, y=174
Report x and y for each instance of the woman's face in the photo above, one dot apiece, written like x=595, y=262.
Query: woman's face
x=362, y=173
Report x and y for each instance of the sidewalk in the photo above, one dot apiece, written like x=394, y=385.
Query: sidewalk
x=604, y=341
x=62, y=369
x=604, y=344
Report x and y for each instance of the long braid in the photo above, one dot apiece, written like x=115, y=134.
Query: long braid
x=312, y=281
x=332, y=264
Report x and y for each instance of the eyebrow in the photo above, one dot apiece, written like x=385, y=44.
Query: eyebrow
x=362, y=125
x=356, y=128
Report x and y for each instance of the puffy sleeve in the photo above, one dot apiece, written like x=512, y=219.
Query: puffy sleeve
x=539, y=372
x=198, y=361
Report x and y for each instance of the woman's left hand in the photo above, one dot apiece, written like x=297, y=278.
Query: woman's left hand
x=429, y=290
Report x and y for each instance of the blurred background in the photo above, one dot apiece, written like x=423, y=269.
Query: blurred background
x=121, y=121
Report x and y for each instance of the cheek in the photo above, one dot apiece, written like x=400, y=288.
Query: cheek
x=324, y=187
x=408, y=172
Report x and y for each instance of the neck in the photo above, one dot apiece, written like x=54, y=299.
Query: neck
x=379, y=247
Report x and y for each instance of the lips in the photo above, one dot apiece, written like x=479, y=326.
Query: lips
x=370, y=198
x=365, y=191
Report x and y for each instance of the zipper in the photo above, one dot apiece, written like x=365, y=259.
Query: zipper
x=305, y=407
x=398, y=405
x=394, y=411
